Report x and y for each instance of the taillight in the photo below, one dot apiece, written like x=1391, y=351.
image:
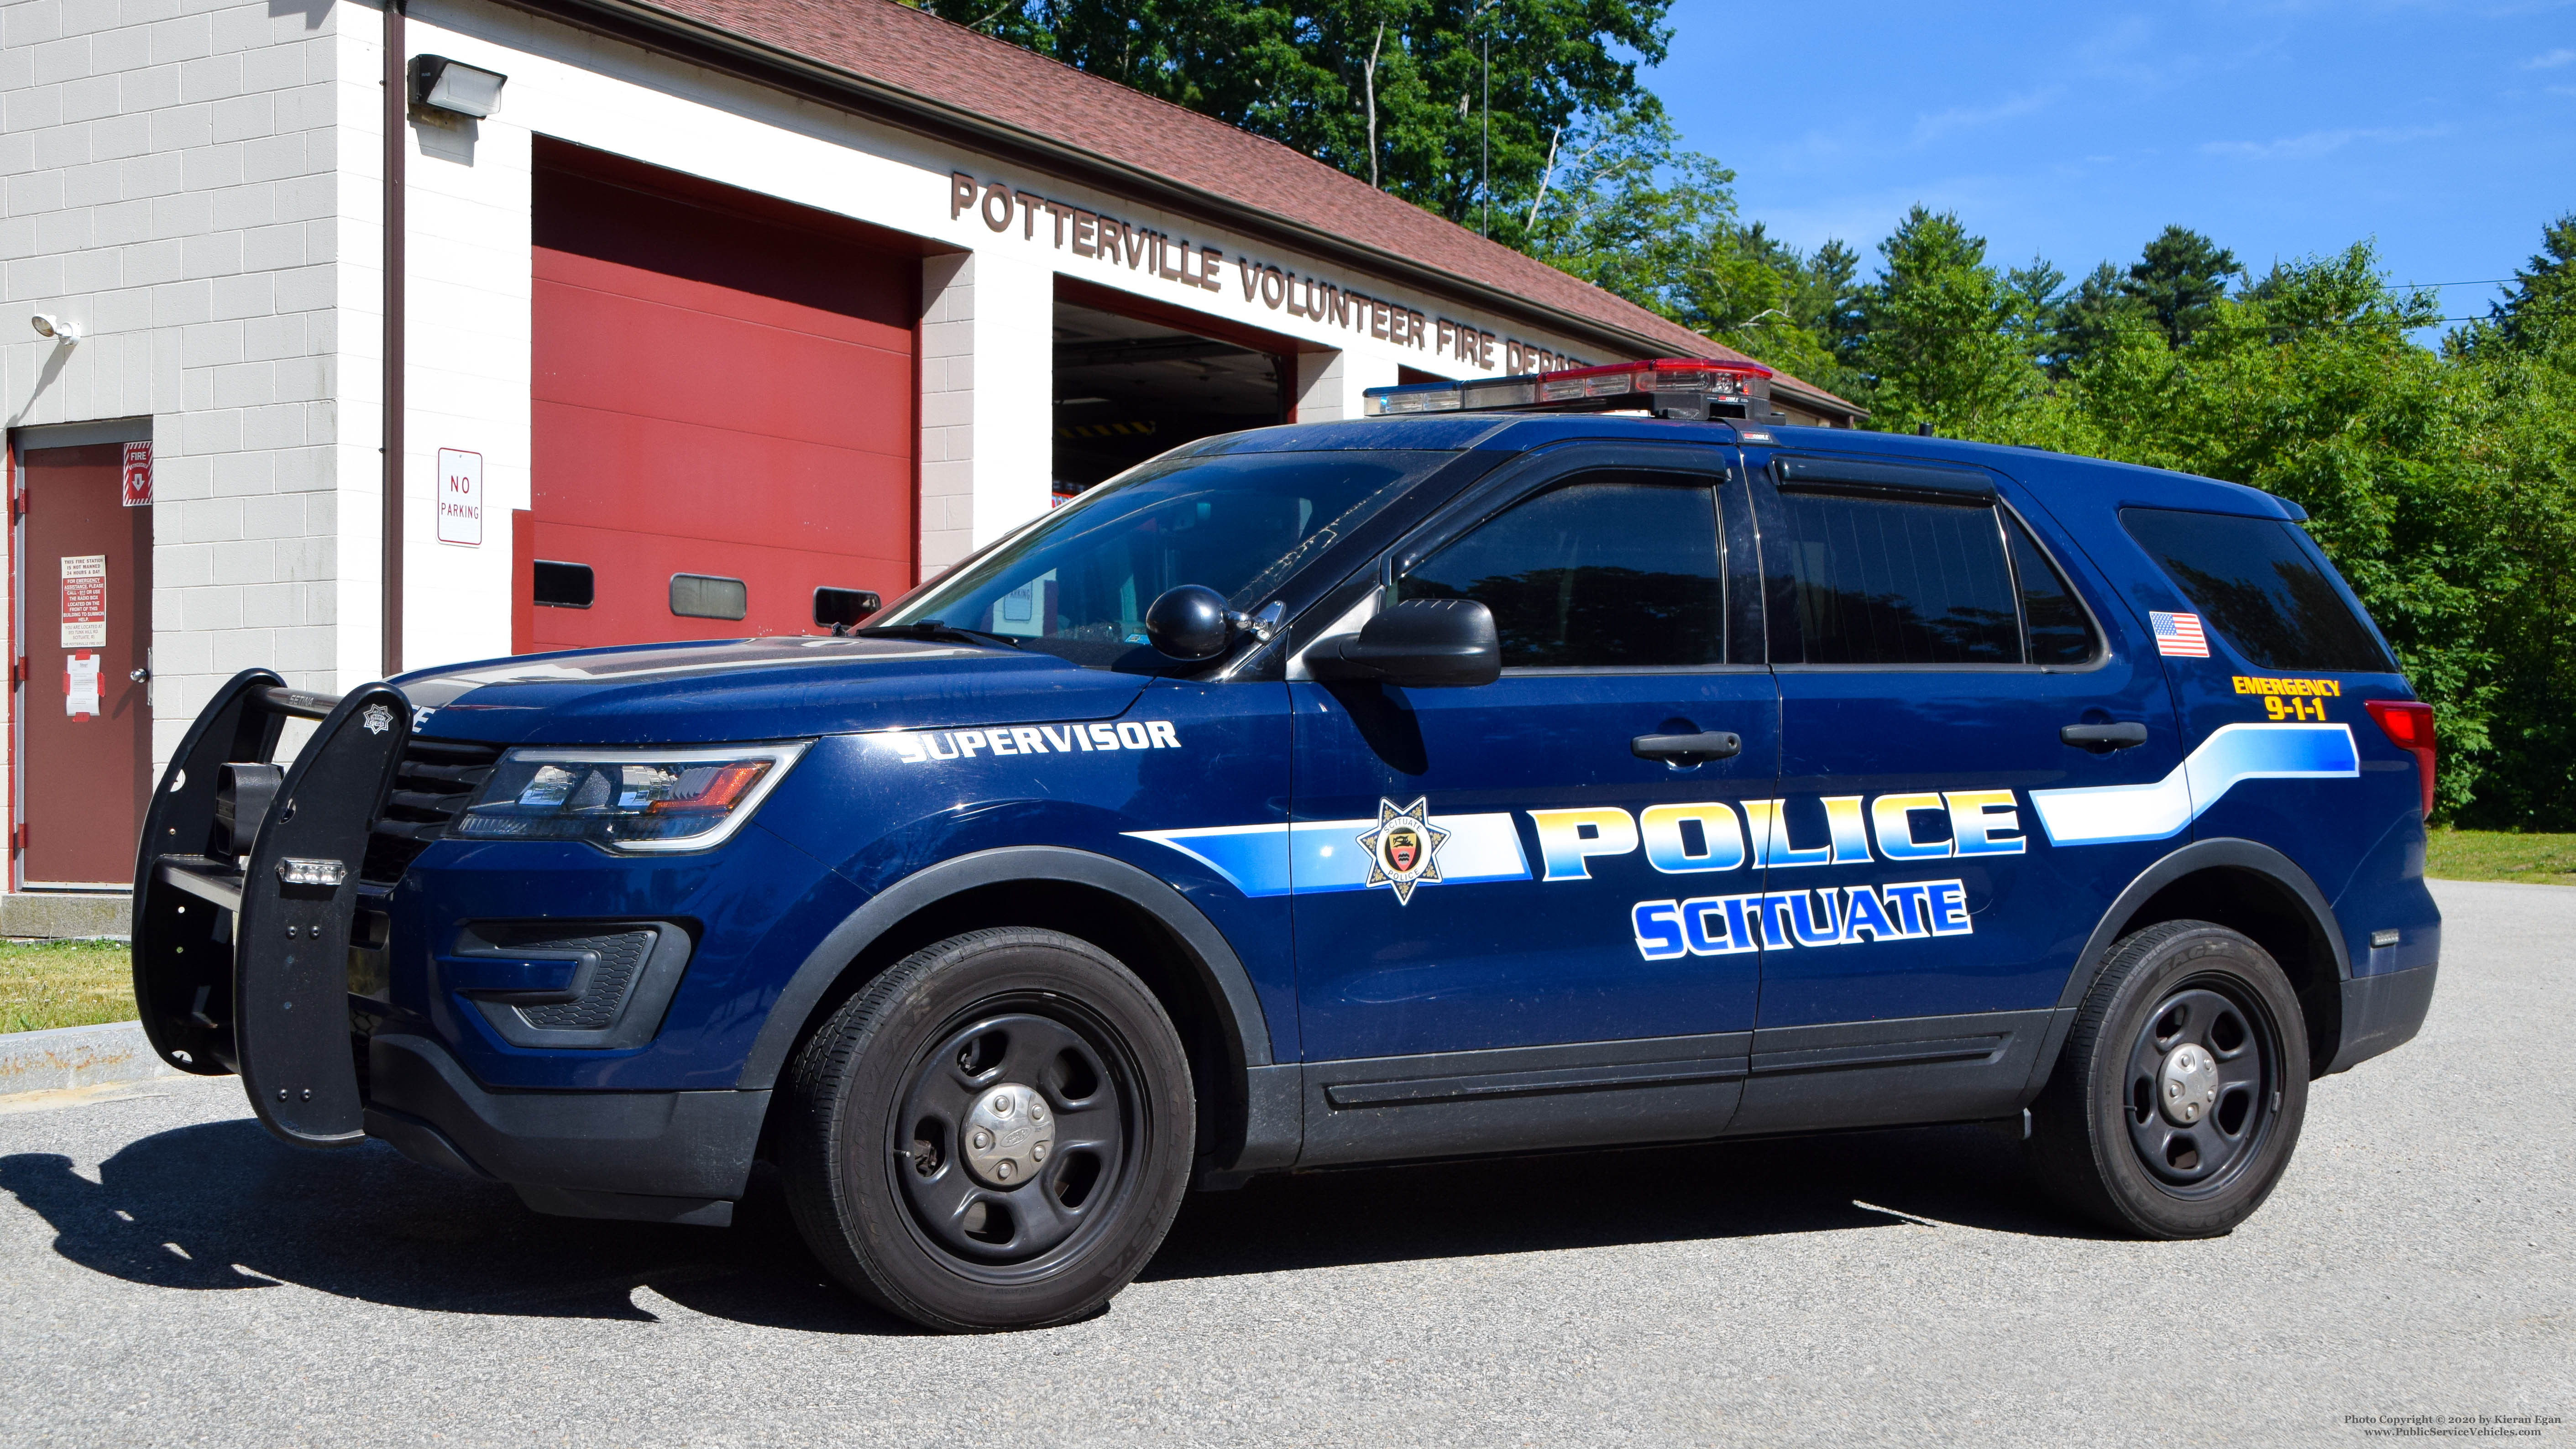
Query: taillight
x=2409, y=726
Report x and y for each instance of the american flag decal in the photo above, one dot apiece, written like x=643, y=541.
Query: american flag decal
x=2179, y=635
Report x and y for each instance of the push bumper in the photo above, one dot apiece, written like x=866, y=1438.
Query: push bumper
x=667, y=1157
x=246, y=892
x=2381, y=1013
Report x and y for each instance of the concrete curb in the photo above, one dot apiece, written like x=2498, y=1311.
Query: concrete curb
x=66, y=915
x=78, y=1056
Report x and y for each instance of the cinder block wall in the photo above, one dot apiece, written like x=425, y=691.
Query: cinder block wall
x=174, y=173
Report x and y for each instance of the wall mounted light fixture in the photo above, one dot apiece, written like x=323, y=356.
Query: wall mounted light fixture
x=455, y=87
x=49, y=325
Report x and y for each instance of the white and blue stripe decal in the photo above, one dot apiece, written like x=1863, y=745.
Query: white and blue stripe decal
x=1314, y=856
x=2109, y=814
x=1310, y=857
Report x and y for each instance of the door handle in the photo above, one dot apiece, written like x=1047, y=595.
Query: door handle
x=2099, y=737
x=1687, y=749
x=138, y=675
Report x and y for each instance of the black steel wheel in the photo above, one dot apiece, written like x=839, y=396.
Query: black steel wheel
x=2178, y=1097
x=994, y=1133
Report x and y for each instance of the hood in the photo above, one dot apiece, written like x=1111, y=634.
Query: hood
x=755, y=689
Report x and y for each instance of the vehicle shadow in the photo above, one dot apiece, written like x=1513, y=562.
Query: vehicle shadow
x=1968, y=1177
x=224, y=1207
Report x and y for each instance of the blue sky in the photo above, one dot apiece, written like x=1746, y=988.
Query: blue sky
x=2447, y=132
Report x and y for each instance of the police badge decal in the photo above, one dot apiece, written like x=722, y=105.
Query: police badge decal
x=1404, y=849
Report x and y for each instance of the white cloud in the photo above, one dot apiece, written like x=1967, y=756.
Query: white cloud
x=2552, y=61
x=2316, y=143
x=1928, y=129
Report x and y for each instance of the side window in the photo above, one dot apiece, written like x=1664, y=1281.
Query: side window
x=1608, y=572
x=1900, y=581
x=2255, y=584
x=2055, y=628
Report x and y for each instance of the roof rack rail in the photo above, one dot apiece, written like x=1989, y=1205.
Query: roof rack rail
x=1695, y=388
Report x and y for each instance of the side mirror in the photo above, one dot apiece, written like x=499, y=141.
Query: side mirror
x=1188, y=622
x=1419, y=644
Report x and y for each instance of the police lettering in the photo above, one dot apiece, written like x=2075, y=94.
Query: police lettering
x=1713, y=836
x=1785, y=920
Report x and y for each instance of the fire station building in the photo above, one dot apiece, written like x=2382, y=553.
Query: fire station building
x=694, y=318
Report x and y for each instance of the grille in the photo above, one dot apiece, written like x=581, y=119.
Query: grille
x=621, y=955
x=434, y=783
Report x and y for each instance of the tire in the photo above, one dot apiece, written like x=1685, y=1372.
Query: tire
x=2136, y=1133
x=1072, y=1073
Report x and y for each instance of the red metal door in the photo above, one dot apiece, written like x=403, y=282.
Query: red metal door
x=716, y=393
x=85, y=582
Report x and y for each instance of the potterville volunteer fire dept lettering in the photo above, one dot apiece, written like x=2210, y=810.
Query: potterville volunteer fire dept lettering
x=1109, y=242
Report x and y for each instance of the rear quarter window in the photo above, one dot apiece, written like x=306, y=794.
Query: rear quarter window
x=2259, y=584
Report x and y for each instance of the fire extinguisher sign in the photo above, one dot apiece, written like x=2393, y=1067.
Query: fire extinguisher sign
x=138, y=475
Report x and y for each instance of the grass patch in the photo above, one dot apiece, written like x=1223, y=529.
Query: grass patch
x=45, y=984
x=2501, y=855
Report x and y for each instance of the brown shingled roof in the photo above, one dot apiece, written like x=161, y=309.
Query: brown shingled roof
x=904, y=50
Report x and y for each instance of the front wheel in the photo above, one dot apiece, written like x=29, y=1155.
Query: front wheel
x=995, y=1133
x=2179, y=1094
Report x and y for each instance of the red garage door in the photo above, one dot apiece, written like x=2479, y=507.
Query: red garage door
x=722, y=406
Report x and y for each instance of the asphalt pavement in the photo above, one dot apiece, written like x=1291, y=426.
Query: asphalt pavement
x=170, y=1275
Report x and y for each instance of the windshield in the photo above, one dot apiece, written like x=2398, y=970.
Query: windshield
x=1077, y=583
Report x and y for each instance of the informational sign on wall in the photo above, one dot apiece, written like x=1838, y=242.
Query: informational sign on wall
x=460, y=497
x=80, y=686
x=85, y=601
x=138, y=475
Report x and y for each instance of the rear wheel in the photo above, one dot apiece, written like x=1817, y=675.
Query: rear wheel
x=995, y=1133
x=2179, y=1094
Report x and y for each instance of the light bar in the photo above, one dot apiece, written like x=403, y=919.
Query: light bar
x=1672, y=387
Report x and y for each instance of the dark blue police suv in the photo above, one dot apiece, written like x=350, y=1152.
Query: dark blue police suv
x=1550, y=762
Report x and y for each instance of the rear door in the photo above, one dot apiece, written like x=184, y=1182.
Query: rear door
x=83, y=699
x=1933, y=639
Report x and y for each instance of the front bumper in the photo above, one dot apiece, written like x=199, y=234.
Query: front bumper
x=665, y=1157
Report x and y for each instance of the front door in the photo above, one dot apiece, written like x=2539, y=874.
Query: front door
x=85, y=590
x=1498, y=867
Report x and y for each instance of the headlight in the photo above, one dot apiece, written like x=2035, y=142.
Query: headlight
x=626, y=800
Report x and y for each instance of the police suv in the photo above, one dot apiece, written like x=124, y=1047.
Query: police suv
x=1555, y=761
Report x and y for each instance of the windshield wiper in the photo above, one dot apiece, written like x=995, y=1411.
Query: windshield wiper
x=934, y=629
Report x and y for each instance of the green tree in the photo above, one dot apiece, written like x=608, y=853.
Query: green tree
x=2539, y=315
x=1769, y=300
x=1943, y=336
x=1621, y=209
x=2523, y=360
x=2179, y=280
x=2088, y=319
x=2174, y=285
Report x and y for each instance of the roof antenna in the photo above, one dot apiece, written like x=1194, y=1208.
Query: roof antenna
x=1922, y=430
